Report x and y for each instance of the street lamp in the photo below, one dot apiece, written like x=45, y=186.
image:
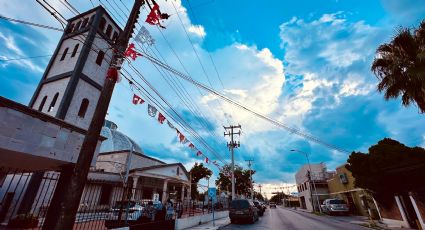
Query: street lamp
x=309, y=178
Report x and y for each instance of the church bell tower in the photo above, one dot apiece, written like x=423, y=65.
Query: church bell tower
x=71, y=85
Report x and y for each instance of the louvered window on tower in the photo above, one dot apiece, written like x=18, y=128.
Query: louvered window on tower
x=99, y=58
x=70, y=28
x=115, y=37
x=53, y=103
x=64, y=54
x=102, y=24
x=77, y=26
x=84, y=24
x=83, y=107
x=108, y=31
x=40, y=108
x=75, y=50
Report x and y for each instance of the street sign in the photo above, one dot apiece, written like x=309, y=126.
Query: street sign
x=212, y=193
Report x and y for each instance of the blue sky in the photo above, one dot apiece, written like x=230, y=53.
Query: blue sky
x=304, y=63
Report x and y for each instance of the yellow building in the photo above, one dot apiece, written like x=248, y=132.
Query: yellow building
x=341, y=185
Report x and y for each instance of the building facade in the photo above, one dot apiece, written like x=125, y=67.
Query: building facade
x=360, y=202
x=312, y=186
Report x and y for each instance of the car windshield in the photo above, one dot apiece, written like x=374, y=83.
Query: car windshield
x=239, y=204
x=336, y=202
x=271, y=203
x=256, y=203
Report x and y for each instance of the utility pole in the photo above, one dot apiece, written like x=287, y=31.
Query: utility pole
x=250, y=176
x=260, y=186
x=310, y=181
x=232, y=144
x=66, y=198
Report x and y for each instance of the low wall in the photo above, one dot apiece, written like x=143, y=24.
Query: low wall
x=201, y=219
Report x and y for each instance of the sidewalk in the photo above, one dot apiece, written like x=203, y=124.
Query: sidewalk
x=218, y=224
x=359, y=220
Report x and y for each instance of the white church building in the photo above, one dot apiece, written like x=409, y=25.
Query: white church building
x=36, y=141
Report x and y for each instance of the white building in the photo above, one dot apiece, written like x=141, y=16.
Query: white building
x=37, y=141
x=314, y=186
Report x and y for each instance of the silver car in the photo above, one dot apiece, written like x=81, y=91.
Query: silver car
x=335, y=206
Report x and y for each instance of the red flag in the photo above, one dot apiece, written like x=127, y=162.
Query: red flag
x=161, y=118
x=199, y=153
x=154, y=16
x=207, y=160
x=137, y=100
x=191, y=146
x=112, y=73
x=181, y=137
x=131, y=52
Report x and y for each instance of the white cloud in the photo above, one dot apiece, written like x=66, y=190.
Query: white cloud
x=197, y=30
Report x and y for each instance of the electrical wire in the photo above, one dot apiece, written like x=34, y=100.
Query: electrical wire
x=235, y=103
x=30, y=23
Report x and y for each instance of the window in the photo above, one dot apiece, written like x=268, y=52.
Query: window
x=40, y=108
x=91, y=19
x=99, y=58
x=64, y=54
x=115, y=37
x=84, y=24
x=83, y=107
x=70, y=28
x=102, y=24
x=52, y=105
x=108, y=31
x=75, y=50
x=77, y=26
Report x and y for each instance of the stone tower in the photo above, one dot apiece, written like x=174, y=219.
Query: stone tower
x=74, y=77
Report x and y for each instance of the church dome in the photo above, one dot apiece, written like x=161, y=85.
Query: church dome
x=116, y=141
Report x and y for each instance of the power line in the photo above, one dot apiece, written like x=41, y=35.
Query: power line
x=264, y=117
x=30, y=23
x=179, y=120
x=177, y=86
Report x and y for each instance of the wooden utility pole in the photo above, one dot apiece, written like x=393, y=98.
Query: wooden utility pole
x=232, y=144
x=66, y=198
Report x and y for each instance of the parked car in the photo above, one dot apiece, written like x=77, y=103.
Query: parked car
x=335, y=206
x=272, y=205
x=135, y=210
x=264, y=205
x=243, y=209
x=259, y=207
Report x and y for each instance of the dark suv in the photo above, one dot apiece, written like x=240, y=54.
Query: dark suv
x=243, y=209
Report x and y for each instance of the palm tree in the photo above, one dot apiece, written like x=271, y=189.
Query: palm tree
x=400, y=67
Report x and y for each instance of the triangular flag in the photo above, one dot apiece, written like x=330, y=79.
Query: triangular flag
x=207, y=160
x=161, y=118
x=152, y=111
x=131, y=52
x=137, y=100
x=181, y=138
x=171, y=125
x=199, y=153
x=191, y=146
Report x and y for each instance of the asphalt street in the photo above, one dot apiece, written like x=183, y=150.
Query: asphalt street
x=281, y=219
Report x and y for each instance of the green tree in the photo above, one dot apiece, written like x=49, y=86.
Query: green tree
x=258, y=196
x=400, y=67
x=198, y=172
x=242, y=178
x=277, y=198
x=389, y=167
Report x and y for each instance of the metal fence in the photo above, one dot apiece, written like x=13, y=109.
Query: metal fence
x=25, y=198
